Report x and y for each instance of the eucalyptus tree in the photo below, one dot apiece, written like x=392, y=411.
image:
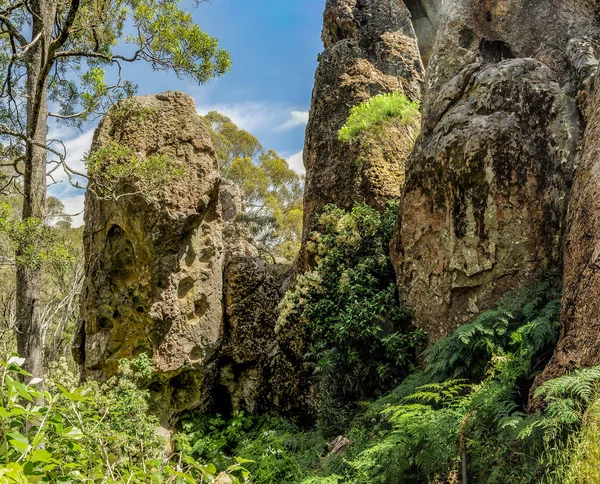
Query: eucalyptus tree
x=64, y=59
x=272, y=190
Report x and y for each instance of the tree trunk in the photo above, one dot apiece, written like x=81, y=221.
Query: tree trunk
x=29, y=277
x=579, y=344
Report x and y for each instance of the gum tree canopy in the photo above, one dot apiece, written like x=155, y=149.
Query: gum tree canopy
x=63, y=59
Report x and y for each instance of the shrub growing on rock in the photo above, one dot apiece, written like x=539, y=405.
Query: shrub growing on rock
x=357, y=337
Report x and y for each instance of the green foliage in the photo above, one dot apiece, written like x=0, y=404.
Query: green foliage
x=93, y=42
x=88, y=434
x=522, y=326
x=57, y=249
x=272, y=190
x=582, y=456
x=369, y=116
x=114, y=168
x=472, y=403
x=32, y=242
x=497, y=357
x=360, y=340
x=282, y=451
x=230, y=141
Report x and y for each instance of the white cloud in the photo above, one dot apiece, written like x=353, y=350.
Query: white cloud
x=76, y=145
x=298, y=118
x=259, y=116
x=296, y=163
x=75, y=148
x=74, y=206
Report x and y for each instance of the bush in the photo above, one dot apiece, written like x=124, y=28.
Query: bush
x=95, y=433
x=369, y=116
x=469, y=399
x=360, y=342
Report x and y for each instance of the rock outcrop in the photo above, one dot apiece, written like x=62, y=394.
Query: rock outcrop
x=154, y=262
x=488, y=182
x=425, y=16
x=237, y=238
x=255, y=371
x=174, y=274
x=370, y=49
x=579, y=345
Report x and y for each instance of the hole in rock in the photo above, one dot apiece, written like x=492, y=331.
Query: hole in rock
x=466, y=37
x=201, y=306
x=185, y=286
x=493, y=51
x=222, y=400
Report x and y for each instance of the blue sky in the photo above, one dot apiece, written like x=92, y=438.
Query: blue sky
x=273, y=45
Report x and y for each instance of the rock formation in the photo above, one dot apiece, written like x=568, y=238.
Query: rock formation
x=488, y=182
x=236, y=234
x=579, y=346
x=370, y=49
x=425, y=17
x=256, y=373
x=154, y=275
x=154, y=262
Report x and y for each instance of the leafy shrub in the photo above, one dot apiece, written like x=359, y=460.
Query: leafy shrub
x=369, y=116
x=95, y=433
x=360, y=342
x=113, y=169
x=468, y=399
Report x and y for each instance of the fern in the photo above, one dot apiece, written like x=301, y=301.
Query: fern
x=579, y=385
x=475, y=395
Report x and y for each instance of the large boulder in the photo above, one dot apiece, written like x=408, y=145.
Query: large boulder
x=488, y=182
x=370, y=49
x=153, y=281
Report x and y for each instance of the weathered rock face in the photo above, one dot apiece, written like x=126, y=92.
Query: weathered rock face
x=154, y=263
x=255, y=371
x=236, y=236
x=491, y=30
x=579, y=345
x=488, y=182
x=370, y=49
x=425, y=17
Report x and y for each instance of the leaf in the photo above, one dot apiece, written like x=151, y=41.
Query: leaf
x=35, y=381
x=19, y=387
x=73, y=433
x=41, y=455
x=241, y=460
x=15, y=360
x=19, y=442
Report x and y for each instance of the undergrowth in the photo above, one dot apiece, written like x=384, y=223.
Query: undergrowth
x=92, y=433
x=358, y=339
x=468, y=402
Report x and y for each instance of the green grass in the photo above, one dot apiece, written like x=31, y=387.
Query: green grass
x=369, y=116
x=584, y=456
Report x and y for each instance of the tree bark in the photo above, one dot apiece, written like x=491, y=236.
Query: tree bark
x=29, y=277
x=579, y=344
